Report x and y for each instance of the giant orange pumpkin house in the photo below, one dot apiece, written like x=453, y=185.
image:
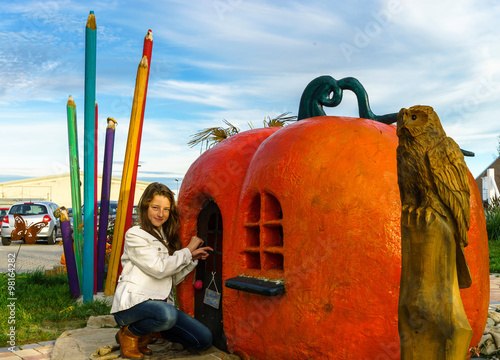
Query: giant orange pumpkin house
x=305, y=224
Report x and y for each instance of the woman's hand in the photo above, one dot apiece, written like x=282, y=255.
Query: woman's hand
x=194, y=243
x=196, y=251
x=201, y=253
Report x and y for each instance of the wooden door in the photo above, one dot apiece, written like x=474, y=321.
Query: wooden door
x=210, y=230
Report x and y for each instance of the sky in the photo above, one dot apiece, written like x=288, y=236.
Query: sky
x=241, y=61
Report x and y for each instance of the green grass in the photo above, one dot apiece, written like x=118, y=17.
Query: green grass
x=44, y=308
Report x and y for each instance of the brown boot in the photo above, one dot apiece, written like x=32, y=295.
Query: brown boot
x=143, y=344
x=155, y=337
x=128, y=344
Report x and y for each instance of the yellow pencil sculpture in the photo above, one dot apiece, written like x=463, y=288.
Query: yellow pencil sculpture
x=128, y=169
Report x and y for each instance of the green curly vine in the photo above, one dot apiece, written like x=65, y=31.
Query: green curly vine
x=326, y=91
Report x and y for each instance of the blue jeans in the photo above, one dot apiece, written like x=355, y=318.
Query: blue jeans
x=174, y=325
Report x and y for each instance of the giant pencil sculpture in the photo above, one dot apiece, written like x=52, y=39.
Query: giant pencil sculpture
x=147, y=51
x=95, y=197
x=105, y=193
x=76, y=194
x=89, y=168
x=68, y=253
x=128, y=168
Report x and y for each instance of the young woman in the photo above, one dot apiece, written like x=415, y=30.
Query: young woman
x=153, y=262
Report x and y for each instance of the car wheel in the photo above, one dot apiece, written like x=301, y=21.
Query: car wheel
x=6, y=241
x=51, y=240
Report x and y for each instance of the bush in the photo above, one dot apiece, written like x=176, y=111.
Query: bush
x=494, y=249
x=492, y=214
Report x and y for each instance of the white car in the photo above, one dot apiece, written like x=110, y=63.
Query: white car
x=33, y=213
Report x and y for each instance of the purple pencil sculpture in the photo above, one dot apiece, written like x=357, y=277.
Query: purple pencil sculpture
x=103, y=218
x=69, y=255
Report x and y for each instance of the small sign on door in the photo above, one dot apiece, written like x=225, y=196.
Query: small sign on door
x=212, y=298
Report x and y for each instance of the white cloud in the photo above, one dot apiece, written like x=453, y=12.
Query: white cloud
x=219, y=95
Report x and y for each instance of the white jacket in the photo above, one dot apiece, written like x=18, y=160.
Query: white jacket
x=149, y=272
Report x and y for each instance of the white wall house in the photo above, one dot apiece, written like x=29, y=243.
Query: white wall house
x=488, y=182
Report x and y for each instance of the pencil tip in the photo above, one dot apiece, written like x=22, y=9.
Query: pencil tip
x=144, y=61
x=91, y=23
x=111, y=123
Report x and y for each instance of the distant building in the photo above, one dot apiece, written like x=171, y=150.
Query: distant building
x=56, y=188
x=488, y=182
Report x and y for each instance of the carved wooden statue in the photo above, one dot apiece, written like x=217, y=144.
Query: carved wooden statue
x=434, y=188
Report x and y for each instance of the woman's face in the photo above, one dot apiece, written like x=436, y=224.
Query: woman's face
x=158, y=211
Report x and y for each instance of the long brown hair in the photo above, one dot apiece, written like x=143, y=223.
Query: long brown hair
x=171, y=226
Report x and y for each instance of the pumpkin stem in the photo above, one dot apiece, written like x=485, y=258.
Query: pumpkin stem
x=326, y=91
